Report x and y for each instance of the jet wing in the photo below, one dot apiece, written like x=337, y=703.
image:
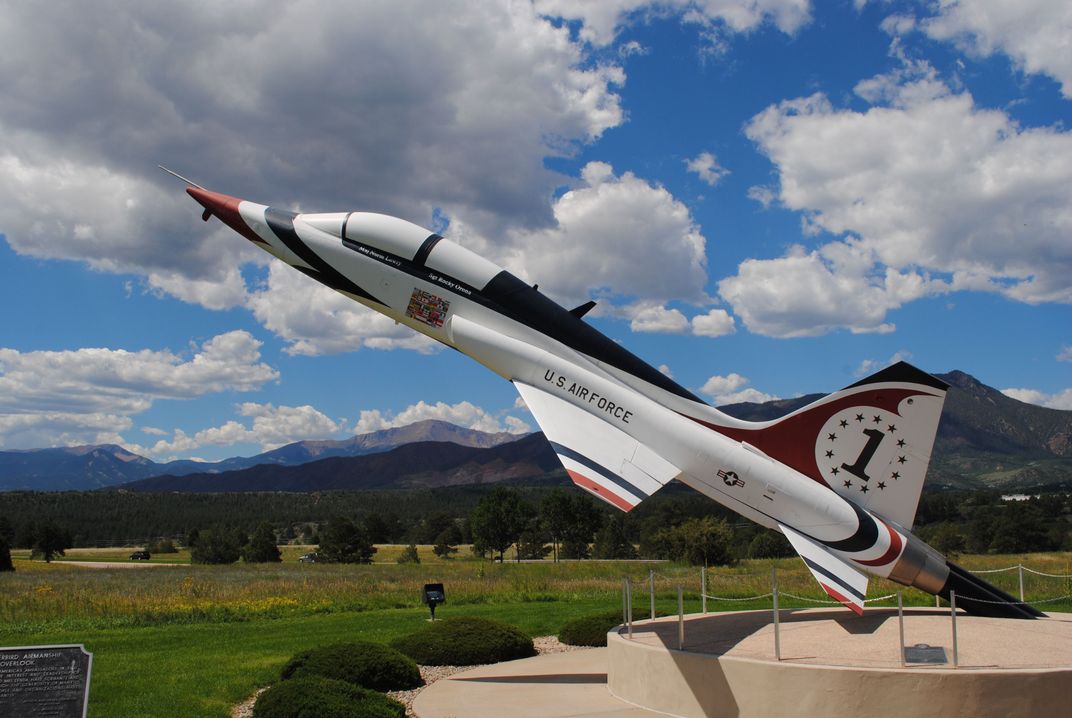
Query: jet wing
x=843, y=582
x=598, y=457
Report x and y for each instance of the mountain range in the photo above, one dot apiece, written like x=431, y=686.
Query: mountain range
x=985, y=440
x=81, y=468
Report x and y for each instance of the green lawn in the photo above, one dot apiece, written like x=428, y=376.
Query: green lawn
x=195, y=640
x=203, y=670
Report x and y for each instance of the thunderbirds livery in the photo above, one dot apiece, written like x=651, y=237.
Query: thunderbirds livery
x=840, y=478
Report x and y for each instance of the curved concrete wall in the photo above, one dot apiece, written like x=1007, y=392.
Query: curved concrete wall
x=694, y=685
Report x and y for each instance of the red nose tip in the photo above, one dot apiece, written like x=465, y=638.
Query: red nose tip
x=226, y=208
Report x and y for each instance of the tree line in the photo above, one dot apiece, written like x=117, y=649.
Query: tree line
x=529, y=522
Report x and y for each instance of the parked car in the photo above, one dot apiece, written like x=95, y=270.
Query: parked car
x=309, y=557
x=140, y=556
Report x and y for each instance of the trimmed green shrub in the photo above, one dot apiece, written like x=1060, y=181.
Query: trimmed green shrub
x=465, y=641
x=315, y=697
x=590, y=630
x=365, y=664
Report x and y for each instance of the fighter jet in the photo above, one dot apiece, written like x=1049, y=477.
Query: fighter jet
x=839, y=478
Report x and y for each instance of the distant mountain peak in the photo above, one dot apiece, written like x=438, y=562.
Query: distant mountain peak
x=962, y=380
x=984, y=438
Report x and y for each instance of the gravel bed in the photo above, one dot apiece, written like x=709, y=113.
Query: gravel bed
x=430, y=674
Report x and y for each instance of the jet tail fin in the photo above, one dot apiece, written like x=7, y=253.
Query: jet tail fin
x=841, y=581
x=870, y=442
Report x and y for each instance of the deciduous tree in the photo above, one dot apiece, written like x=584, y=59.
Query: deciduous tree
x=499, y=519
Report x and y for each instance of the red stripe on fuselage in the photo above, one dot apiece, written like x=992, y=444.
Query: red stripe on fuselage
x=602, y=491
x=891, y=553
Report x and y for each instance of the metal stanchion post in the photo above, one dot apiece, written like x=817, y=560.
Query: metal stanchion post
x=625, y=602
x=953, y=613
x=1021, y=567
x=703, y=589
x=651, y=591
x=629, y=603
x=680, y=620
x=900, y=626
x=777, y=634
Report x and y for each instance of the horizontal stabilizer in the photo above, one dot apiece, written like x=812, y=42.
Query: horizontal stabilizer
x=841, y=581
x=598, y=457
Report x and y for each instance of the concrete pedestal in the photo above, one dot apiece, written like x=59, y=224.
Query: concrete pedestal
x=835, y=663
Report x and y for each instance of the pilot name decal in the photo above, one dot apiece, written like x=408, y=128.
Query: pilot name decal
x=427, y=308
x=585, y=394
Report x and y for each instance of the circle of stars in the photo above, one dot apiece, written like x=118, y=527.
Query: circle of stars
x=890, y=429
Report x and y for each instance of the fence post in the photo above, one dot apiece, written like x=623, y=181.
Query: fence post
x=953, y=613
x=777, y=634
x=900, y=626
x=1021, y=567
x=680, y=620
x=651, y=591
x=703, y=588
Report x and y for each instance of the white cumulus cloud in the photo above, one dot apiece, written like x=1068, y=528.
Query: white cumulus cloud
x=271, y=427
x=463, y=413
x=613, y=234
x=316, y=320
x=601, y=21
x=1060, y=400
x=716, y=323
x=733, y=389
x=705, y=165
x=54, y=398
x=400, y=107
x=1035, y=34
x=658, y=319
x=931, y=193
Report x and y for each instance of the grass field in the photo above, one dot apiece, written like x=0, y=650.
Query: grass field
x=193, y=640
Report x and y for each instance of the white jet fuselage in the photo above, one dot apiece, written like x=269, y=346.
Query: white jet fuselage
x=840, y=478
x=764, y=490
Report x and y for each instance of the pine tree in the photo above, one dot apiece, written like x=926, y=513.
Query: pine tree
x=262, y=547
x=51, y=541
x=5, y=556
x=342, y=541
x=443, y=548
x=409, y=555
x=218, y=546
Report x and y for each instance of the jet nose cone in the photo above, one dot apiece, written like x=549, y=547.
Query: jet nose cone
x=226, y=208
x=214, y=203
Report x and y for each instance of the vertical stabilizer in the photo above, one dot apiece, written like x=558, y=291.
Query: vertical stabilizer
x=870, y=442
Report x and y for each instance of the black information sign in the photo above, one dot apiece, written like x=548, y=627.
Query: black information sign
x=922, y=653
x=44, y=681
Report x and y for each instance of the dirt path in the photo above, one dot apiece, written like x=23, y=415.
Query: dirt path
x=118, y=564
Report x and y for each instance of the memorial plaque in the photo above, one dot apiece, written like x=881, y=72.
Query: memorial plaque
x=922, y=653
x=44, y=681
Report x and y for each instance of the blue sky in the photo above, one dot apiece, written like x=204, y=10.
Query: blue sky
x=767, y=198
